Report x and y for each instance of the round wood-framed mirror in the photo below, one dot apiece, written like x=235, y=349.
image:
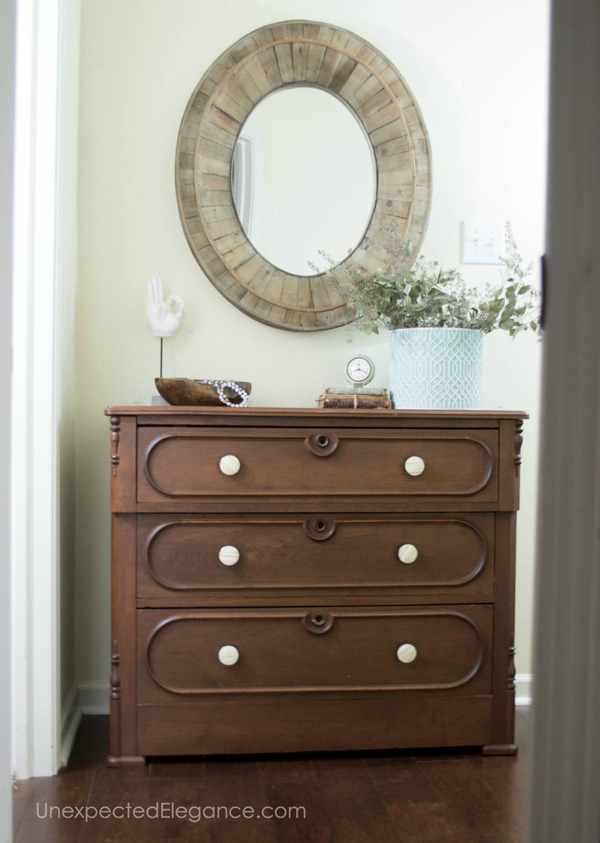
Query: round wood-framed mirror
x=267, y=60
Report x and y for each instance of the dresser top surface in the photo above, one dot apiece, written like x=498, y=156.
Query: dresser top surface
x=311, y=413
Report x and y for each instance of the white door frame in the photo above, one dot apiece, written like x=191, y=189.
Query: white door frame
x=42, y=68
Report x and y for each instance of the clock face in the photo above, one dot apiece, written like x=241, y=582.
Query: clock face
x=360, y=369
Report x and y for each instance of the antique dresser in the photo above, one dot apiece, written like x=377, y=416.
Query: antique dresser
x=299, y=580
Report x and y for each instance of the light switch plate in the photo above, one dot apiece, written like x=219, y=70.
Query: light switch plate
x=483, y=242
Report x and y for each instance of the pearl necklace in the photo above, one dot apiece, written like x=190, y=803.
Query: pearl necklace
x=221, y=386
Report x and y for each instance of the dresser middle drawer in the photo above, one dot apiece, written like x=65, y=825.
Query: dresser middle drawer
x=196, y=555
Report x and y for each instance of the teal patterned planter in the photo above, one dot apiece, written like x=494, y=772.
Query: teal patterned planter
x=436, y=368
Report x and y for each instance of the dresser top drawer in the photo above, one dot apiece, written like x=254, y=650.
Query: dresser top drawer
x=180, y=463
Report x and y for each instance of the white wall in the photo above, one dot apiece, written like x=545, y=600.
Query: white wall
x=479, y=71
x=67, y=398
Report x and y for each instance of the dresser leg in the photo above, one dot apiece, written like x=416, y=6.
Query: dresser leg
x=115, y=757
x=126, y=761
x=500, y=749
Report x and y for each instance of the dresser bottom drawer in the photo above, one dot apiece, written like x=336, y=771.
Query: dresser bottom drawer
x=393, y=721
x=184, y=655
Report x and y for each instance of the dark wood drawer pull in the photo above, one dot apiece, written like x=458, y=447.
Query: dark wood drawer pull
x=322, y=444
x=318, y=622
x=320, y=527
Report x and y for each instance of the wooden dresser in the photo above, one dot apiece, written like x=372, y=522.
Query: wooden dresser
x=299, y=580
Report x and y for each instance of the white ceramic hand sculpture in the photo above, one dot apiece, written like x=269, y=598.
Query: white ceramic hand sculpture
x=162, y=319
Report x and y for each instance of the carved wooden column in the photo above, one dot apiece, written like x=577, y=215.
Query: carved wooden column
x=115, y=703
x=115, y=438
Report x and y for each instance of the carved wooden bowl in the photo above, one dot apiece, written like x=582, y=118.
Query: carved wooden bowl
x=185, y=392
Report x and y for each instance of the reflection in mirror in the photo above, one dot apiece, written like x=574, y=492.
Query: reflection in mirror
x=303, y=179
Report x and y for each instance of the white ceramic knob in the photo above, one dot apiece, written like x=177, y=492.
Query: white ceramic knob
x=228, y=655
x=406, y=653
x=414, y=466
x=229, y=555
x=408, y=554
x=230, y=465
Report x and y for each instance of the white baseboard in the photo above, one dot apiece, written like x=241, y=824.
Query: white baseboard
x=70, y=719
x=523, y=689
x=88, y=698
x=94, y=697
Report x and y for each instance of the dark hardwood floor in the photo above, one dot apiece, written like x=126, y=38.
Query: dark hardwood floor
x=366, y=797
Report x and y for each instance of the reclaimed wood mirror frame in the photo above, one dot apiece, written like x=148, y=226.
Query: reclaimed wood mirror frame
x=274, y=57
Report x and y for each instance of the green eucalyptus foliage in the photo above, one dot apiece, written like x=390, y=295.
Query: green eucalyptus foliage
x=427, y=296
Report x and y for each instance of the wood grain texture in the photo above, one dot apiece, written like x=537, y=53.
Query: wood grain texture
x=389, y=796
x=511, y=439
x=317, y=512
x=182, y=555
x=296, y=53
x=122, y=739
x=183, y=464
x=374, y=722
x=148, y=415
x=187, y=392
x=123, y=462
x=177, y=652
x=504, y=634
x=236, y=504
x=282, y=598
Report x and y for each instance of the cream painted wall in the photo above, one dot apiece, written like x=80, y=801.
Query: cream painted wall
x=68, y=407
x=479, y=71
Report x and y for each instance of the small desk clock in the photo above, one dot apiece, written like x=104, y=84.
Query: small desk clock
x=360, y=370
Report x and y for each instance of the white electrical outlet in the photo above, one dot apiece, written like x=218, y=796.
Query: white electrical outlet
x=483, y=242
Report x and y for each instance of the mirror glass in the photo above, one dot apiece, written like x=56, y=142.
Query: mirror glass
x=303, y=179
